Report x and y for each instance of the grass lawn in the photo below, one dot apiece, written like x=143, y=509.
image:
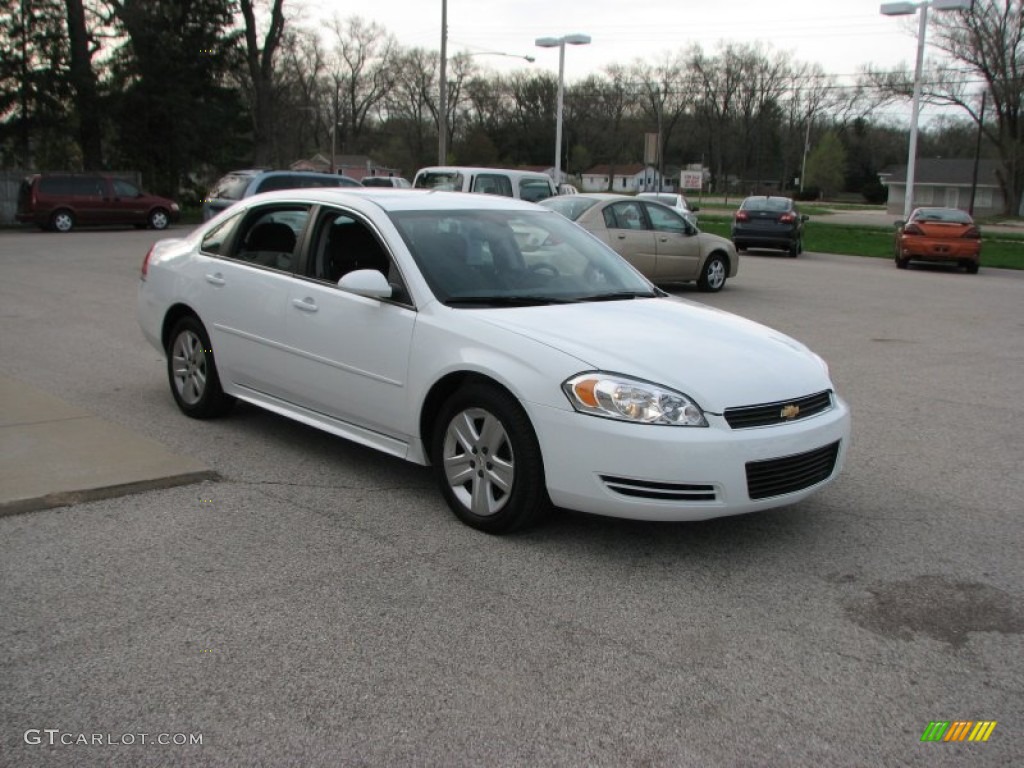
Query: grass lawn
x=997, y=250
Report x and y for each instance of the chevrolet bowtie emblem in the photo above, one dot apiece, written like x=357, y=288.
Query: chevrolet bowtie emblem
x=790, y=412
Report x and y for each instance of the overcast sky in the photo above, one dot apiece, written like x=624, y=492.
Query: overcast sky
x=841, y=35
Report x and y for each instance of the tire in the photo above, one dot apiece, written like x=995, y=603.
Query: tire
x=796, y=248
x=714, y=274
x=192, y=371
x=740, y=247
x=901, y=263
x=159, y=219
x=971, y=267
x=499, y=496
x=62, y=220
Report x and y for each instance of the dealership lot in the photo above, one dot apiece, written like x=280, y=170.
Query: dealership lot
x=320, y=605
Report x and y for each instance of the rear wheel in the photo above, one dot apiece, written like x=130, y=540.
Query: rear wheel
x=796, y=248
x=487, y=460
x=901, y=261
x=971, y=267
x=192, y=371
x=714, y=274
x=62, y=220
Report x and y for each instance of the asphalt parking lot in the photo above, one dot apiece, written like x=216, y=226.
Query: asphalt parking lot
x=319, y=605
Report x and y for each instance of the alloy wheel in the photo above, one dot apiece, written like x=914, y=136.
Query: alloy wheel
x=188, y=361
x=478, y=462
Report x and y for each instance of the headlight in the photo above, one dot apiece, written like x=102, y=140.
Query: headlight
x=619, y=397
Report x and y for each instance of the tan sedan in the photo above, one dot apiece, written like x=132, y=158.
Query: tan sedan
x=655, y=239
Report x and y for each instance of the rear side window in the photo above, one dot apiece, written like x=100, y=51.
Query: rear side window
x=230, y=187
x=492, y=184
x=218, y=238
x=450, y=181
x=56, y=185
x=88, y=186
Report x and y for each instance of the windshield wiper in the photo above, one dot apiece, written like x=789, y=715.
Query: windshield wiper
x=618, y=296
x=507, y=301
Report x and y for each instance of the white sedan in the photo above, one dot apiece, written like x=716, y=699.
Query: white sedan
x=497, y=341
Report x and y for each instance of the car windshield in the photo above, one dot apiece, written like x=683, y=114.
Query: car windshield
x=513, y=258
x=945, y=215
x=231, y=187
x=570, y=206
x=766, y=204
x=445, y=180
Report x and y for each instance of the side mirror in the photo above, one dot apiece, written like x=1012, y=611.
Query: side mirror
x=805, y=217
x=694, y=208
x=899, y=223
x=366, y=282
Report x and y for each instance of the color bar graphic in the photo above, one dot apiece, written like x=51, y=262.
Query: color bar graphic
x=958, y=730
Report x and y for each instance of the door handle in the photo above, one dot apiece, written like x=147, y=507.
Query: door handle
x=216, y=279
x=306, y=305
x=621, y=237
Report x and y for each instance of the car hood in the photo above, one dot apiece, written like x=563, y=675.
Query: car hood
x=719, y=359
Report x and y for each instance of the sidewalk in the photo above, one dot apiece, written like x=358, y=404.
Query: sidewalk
x=53, y=454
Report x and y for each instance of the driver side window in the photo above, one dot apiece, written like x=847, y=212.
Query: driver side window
x=345, y=243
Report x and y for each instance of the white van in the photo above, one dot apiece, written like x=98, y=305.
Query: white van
x=523, y=185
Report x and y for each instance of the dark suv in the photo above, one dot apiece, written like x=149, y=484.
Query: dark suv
x=62, y=201
x=769, y=222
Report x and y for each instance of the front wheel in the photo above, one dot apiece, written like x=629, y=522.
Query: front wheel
x=714, y=274
x=488, y=462
x=159, y=219
x=192, y=372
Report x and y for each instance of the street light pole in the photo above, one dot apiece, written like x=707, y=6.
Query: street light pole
x=442, y=105
x=559, y=42
x=907, y=9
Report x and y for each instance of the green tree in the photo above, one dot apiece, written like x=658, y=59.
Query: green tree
x=173, y=109
x=826, y=165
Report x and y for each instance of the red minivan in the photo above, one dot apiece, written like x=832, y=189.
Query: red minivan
x=62, y=201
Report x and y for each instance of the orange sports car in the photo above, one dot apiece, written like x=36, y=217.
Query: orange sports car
x=939, y=234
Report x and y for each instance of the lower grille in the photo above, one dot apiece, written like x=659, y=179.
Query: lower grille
x=646, y=489
x=775, y=477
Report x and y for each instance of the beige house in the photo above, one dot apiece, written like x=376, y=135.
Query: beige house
x=946, y=184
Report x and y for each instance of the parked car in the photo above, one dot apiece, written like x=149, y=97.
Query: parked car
x=526, y=375
x=239, y=185
x=945, y=235
x=675, y=201
x=658, y=241
x=522, y=185
x=766, y=221
x=386, y=181
x=61, y=201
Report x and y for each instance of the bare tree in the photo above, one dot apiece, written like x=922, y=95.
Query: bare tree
x=988, y=41
x=259, y=61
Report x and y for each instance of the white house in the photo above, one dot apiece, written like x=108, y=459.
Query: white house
x=628, y=178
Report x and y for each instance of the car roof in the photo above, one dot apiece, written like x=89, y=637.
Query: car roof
x=393, y=199
x=475, y=169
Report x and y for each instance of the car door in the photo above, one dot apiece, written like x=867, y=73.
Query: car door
x=128, y=203
x=92, y=200
x=677, y=245
x=351, y=353
x=627, y=231
x=247, y=274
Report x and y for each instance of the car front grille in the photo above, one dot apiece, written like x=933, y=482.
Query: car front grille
x=776, y=477
x=766, y=414
x=646, y=489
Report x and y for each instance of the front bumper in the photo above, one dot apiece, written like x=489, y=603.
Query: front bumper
x=649, y=472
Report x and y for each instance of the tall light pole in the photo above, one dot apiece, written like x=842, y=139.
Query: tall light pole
x=559, y=43
x=442, y=102
x=908, y=9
